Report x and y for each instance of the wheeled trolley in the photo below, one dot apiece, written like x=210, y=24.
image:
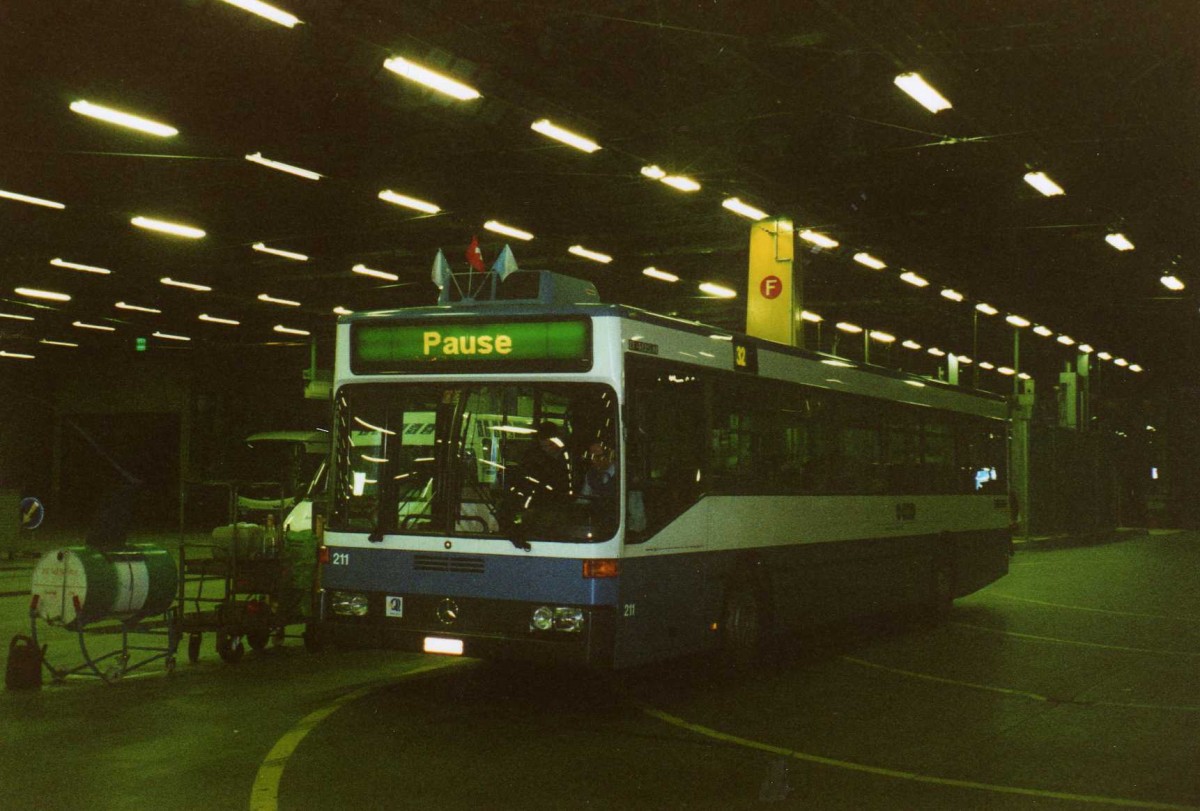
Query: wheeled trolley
x=247, y=587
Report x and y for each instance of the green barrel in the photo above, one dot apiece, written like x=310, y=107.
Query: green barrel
x=78, y=585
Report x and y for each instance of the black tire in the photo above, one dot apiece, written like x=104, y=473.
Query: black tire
x=744, y=625
x=258, y=639
x=941, y=592
x=229, y=647
x=311, y=643
x=193, y=651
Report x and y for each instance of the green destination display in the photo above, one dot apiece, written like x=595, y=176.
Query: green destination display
x=404, y=347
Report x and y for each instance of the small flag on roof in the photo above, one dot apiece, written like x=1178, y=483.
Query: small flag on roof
x=441, y=270
x=505, y=263
x=475, y=256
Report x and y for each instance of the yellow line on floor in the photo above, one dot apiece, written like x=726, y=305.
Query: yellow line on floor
x=1076, y=642
x=1129, y=705
x=996, y=593
x=264, y=794
x=878, y=771
x=942, y=680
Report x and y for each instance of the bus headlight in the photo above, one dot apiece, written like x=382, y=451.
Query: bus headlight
x=568, y=619
x=542, y=619
x=348, y=604
x=560, y=618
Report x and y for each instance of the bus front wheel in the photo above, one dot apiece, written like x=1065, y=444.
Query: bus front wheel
x=743, y=625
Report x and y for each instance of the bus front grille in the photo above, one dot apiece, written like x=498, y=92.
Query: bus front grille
x=458, y=564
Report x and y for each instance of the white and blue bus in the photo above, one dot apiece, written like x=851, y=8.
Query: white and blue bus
x=759, y=488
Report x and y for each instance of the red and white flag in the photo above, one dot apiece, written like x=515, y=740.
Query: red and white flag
x=475, y=256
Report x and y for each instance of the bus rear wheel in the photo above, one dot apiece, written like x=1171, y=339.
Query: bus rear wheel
x=743, y=626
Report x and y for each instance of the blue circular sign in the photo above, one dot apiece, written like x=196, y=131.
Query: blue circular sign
x=32, y=513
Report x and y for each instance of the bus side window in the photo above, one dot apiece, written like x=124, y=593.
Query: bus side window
x=665, y=434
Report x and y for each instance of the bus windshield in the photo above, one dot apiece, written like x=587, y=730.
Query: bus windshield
x=519, y=461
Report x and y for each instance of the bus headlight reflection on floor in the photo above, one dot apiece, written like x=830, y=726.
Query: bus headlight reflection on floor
x=561, y=618
x=348, y=604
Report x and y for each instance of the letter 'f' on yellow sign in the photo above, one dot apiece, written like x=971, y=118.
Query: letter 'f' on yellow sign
x=770, y=309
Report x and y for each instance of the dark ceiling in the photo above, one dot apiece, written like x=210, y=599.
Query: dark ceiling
x=789, y=106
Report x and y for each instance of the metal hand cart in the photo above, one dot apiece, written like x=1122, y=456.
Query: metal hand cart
x=247, y=592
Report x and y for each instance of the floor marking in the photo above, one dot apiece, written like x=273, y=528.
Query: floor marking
x=264, y=794
x=941, y=680
x=1022, y=693
x=915, y=777
x=994, y=593
x=1076, y=642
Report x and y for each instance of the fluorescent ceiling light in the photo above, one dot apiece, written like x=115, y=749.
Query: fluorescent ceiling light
x=1041, y=182
x=1045, y=332
x=1133, y=367
x=339, y=310
x=661, y=275
x=914, y=279
x=917, y=384
x=1086, y=349
x=681, y=183
x=1171, y=282
x=165, y=227
x=1004, y=370
x=818, y=239
x=121, y=305
x=16, y=317
x=15, y=355
x=379, y=274
x=811, y=317
x=953, y=295
x=841, y=364
x=1121, y=362
x=169, y=336
x=96, y=327
x=1104, y=355
x=212, y=319
x=49, y=342
x=964, y=360
x=1119, y=241
x=290, y=330
x=266, y=12
x=565, y=136
x=933, y=350
x=717, y=290
x=882, y=337
x=283, y=167
x=121, y=119
x=911, y=345
x=408, y=202
x=1065, y=340
x=986, y=309
x=283, y=301
x=1017, y=321
x=62, y=263
x=922, y=92
x=507, y=230
x=870, y=261
x=595, y=256
x=431, y=79
x=653, y=172
x=846, y=326
x=48, y=295
x=261, y=248
x=199, y=288
x=738, y=207
x=1025, y=376
x=985, y=365
x=24, y=198
x=714, y=337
